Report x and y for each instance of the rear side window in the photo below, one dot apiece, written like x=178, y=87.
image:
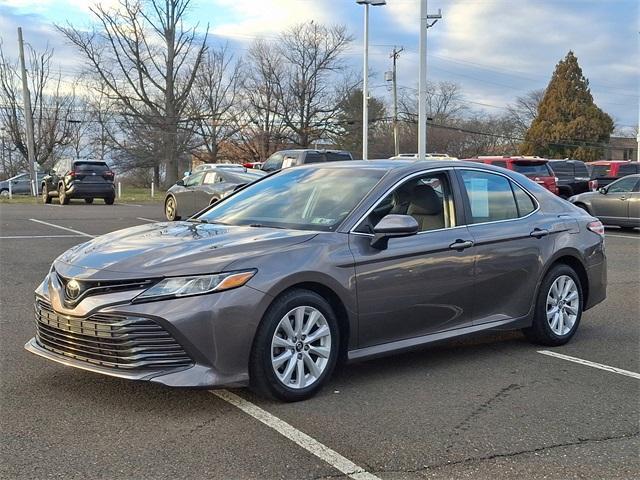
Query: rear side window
x=273, y=163
x=581, y=170
x=600, y=171
x=86, y=167
x=627, y=169
x=337, y=156
x=525, y=203
x=490, y=197
x=313, y=157
x=539, y=169
x=562, y=169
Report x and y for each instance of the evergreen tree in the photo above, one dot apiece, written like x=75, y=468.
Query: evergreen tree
x=568, y=124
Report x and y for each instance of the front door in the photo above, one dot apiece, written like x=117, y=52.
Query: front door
x=613, y=207
x=419, y=284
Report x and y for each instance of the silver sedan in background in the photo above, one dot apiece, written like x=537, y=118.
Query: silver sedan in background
x=616, y=204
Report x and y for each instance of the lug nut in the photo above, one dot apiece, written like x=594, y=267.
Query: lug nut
x=303, y=337
x=306, y=347
x=299, y=355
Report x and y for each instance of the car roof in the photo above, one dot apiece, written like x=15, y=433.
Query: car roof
x=608, y=162
x=400, y=165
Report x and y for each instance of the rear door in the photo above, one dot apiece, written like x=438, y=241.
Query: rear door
x=511, y=237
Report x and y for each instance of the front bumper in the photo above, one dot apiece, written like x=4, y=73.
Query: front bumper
x=216, y=331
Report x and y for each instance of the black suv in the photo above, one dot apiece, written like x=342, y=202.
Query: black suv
x=85, y=179
x=573, y=176
x=291, y=158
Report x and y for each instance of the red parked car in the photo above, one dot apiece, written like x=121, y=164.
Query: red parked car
x=537, y=169
x=603, y=172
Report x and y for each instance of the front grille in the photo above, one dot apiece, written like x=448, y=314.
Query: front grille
x=116, y=341
x=99, y=287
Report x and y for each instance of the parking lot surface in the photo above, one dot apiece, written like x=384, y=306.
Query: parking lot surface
x=489, y=406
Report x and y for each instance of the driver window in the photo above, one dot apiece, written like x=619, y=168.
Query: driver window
x=426, y=198
x=194, y=180
x=210, y=178
x=624, y=185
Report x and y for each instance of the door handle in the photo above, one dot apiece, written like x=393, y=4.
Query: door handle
x=623, y=198
x=539, y=232
x=460, y=244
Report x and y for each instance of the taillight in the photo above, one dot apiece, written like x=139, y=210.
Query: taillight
x=72, y=173
x=596, y=227
x=108, y=174
x=593, y=185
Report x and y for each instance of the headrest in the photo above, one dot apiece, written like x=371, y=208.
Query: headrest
x=425, y=201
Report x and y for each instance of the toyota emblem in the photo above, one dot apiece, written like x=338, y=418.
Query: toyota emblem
x=72, y=289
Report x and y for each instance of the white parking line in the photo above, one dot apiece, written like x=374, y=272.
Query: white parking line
x=148, y=220
x=82, y=234
x=622, y=236
x=588, y=363
x=311, y=445
x=42, y=236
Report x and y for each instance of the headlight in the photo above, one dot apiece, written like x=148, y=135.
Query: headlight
x=196, y=285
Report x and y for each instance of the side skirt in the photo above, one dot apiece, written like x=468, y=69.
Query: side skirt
x=411, y=343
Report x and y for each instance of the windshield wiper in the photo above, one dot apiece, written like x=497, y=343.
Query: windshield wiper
x=260, y=225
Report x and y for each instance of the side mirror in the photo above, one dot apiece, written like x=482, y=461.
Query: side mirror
x=186, y=174
x=180, y=183
x=393, y=226
x=603, y=190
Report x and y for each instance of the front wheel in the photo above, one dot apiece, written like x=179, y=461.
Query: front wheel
x=63, y=198
x=45, y=194
x=295, y=348
x=88, y=200
x=558, y=308
x=171, y=209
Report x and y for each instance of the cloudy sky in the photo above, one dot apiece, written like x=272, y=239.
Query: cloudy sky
x=495, y=49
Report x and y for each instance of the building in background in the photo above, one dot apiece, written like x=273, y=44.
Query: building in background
x=622, y=148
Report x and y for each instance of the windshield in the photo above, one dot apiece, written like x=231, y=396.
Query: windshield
x=301, y=198
x=531, y=168
x=240, y=177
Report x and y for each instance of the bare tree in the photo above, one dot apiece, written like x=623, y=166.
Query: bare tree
x=525, y=110
x=445, y=102
x=147, y=61
x=51, y=107
x=215, y=98
x=311, y=55
x=262, y=129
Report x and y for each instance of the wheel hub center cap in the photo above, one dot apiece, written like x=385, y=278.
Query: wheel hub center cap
x=299, y=346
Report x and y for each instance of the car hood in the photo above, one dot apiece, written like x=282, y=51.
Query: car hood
x=171, y=248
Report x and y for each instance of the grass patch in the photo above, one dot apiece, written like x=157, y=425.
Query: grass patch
x=129, y=195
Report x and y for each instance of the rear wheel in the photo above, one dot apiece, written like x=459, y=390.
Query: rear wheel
x=45, y=194
x=88, y=200
x=108, y=200
x=62, y=196
x=171, y=209
x=558, y=308
x=295, y=348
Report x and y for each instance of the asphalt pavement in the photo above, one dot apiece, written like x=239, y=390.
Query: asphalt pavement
x=489, y=406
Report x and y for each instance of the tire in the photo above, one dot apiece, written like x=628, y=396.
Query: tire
x=4, y=193
x=88, y=200
x=171, y=208
x=109, y=200
x=214, y=201
x=297, y=356
x=567, y=320
x=45, y=194
x=63, y=198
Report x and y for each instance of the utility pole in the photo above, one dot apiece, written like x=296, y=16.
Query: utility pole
x=422, y=97
x=394, y=78
x=26, y=97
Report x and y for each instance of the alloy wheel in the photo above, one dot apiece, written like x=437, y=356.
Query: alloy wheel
x=170, y=208
x=301, y=347
x=563, y=303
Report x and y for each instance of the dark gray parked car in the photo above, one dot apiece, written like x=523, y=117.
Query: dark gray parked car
x=303, y=156
x=616, y=204
x=270, y=286
x=204, y=188
x=20, y=184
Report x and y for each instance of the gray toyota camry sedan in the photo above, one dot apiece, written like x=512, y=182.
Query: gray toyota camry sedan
x=278, y=281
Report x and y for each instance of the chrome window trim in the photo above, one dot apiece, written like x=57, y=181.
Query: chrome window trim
x=466, y=225
x=393, y=187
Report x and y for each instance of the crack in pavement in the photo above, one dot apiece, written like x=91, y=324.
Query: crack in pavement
x=579, y=441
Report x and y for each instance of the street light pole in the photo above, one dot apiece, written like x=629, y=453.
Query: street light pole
x=31, y=149
x=365, y=75
x=422, y=97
